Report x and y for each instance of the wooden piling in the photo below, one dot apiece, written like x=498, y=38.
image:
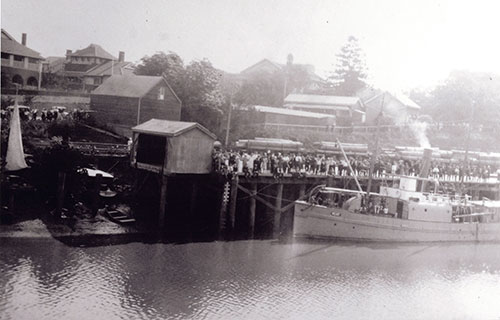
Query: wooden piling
x=163, y=201
x=277, y=212
x=251, y=217
x=95, y=193
x=302, y=190
x=192, y=208
x=232, y=204
x=223, y=211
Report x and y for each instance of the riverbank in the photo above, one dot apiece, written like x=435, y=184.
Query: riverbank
x=72, y=230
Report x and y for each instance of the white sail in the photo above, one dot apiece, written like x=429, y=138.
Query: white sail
x=15, y=153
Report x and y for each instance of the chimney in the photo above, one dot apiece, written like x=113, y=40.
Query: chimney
x=23, y=39
x=121, y=56
x=426, y=167
x=68, y=52
x=426, y=163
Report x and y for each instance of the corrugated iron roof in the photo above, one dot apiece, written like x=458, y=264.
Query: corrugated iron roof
x=317, y=99
x=316, y=106
x=291, y=112
x=11, y=46
x=93, y=50
x=104, y=69
x=169, y=128
x=131, y=86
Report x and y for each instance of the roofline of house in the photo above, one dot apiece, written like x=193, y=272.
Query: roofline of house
x=171, y=90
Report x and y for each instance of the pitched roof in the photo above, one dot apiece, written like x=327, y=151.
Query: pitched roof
x=323, y=100
x=368, y=95
x=169, y=128
x=104, y=69
x=290, y=112
x=128, y=86
x=406, y=101
x=93, y=50
x=261, y=63
x=267, y=65
x=11, y=46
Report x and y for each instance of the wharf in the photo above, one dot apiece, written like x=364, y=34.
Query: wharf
x=249, y=203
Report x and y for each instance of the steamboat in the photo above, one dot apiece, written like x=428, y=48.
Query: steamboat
x=406, y=211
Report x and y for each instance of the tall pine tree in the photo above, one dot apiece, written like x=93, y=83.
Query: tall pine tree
x=350, y=70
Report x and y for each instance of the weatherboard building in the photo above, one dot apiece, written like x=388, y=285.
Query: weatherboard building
x=124, y=101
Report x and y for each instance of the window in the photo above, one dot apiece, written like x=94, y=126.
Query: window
x=161, y=93
x=18, y=58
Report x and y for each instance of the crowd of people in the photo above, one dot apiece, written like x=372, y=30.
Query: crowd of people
x=279, y=164
x=46, y=115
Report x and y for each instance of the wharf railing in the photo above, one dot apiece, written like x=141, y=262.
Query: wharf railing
x=102, y=149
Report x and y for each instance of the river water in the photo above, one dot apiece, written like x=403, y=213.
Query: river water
x=46, y=279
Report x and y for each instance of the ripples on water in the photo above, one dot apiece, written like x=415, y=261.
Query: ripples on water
x=44, y=279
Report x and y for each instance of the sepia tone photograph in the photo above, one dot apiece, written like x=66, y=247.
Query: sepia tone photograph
x=237, y=159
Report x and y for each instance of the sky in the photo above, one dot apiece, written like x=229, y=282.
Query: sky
x=407, y=44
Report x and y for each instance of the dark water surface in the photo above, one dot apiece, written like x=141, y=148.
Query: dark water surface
x=45, y=279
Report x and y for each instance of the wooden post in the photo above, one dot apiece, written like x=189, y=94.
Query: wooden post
x=61, y=189
x=95, y=193
x=223, y=210
x=163, y=201
x=329, y=181
x=232, y=203
x=302, y=190
x=277, y=212
x=251, y=218
x=12, y=201
x=192, y=208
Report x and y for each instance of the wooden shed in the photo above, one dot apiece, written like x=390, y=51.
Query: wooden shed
x=171, y=147
x=123, y=101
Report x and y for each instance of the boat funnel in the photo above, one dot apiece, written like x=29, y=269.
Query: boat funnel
x=426, y=163
x=425, y=168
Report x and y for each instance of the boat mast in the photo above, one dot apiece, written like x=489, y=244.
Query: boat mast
x=375, y=153
x=350, y=168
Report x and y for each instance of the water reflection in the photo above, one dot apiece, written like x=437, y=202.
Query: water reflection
x=248, y=280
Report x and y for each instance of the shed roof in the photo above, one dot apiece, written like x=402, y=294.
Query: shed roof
x=93, y=50
x=10, y=45
x=131, y=86
x=321, y=99
x=169, y=128
x=291, y=112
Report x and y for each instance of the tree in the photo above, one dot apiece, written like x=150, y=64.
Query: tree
x=197, y=85
x=162, y=64
x=261, y=88
x=350, y=70
x=202, y=97
x=463, y=96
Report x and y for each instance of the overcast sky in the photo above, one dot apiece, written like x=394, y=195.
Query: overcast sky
x=407, y=43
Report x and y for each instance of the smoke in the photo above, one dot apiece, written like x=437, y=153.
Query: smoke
x=392, y=107
x=419, y=128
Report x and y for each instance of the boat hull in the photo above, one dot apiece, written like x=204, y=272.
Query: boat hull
x=334, y=223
